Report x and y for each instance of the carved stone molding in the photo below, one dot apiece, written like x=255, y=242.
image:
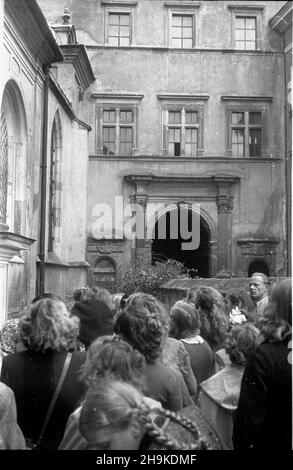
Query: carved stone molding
x=224, y=204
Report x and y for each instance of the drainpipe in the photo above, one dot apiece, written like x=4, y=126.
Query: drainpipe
x=41, y=286
x=287, y=172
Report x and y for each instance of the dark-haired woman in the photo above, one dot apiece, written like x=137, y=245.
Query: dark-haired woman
x=263, y=419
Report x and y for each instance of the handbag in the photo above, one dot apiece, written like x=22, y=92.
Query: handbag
x=35, y=445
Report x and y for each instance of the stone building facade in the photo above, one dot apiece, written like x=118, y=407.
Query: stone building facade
x=175, y=105
x=187, y=108
x=43, y=158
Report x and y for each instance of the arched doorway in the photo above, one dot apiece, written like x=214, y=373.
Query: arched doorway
x=258, y=266
x=104, y=274
x=196, y=260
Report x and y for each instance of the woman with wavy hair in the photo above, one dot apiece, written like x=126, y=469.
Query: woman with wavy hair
x=107, y=356
x=144, y=323
x=48, y=333
x=211, y=308
x=116, y=416
x=263, y=419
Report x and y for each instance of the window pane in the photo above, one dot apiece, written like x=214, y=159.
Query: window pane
x=250, y=46
x=187, y=21
x=250, y=35
x=187, y=33
x=125, y=116
x=125, y=19
x=174, y=141
x=240, y=45
x=239, y=34
x=187, y=43
x=114, y=31
x=124, y=42
x=190, y=150
x=176, y=20
x=113, y=41
x=108, y=140
x=254, y=118
x=176, y=32
x=176, y=43
x=190, y=141
x=191, y=117
x=113, y=19
x=125, y=140
x=254, y=142
x=239, y=23
x=174, y=117
x=109, y=116
x=237, y=118
x=250, y=23
x=238, y=142
x=124, y=31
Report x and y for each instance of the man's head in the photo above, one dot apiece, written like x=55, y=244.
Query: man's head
x=258, y=286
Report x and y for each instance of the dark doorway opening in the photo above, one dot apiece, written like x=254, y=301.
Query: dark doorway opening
x=258, y=266
x=197, y=260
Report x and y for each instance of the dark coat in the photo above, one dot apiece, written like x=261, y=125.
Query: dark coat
x=33, y=377
x=263, y=418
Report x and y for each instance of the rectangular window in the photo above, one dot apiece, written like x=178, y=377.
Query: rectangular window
x=117, y=128
x=182, y=31
x=245, y=33
x=246, y=133
x=119, y=29
x=182, y=132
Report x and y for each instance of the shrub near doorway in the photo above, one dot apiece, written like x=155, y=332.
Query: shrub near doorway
x=148, y=278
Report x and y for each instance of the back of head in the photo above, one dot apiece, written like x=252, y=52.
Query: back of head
x=276, y=324
x=143, y=329
x=110, y=355
x=110, y=406
x=185, y=320
x=96, y=319
x=101, y=294
x=214, y=321
x=110, y=409
x=241, y=342
x=48, y=326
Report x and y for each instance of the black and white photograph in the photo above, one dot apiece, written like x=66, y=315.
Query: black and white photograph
x=145, y=230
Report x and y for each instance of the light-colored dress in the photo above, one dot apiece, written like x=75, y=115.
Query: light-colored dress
x=218, y=400
x=11, y=437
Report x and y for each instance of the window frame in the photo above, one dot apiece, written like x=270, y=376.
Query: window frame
x=247, y=11
x=182, y=9
x=118, y=107
x=247, y=108
x=187, y=107
x=118, y=11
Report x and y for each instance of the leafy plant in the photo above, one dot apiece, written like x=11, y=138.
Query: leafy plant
x=148, y=278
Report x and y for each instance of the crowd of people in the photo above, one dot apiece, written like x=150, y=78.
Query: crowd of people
x=120, y=372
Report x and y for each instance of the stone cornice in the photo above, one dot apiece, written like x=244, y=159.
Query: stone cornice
x=180, y=96
x=181, y=4
x=245, y=6
x=283, y=19
x=120, y=3
x=148, y=178
x=11, y=244
x=117, y=96
x=246, y=241
x=34, y=29
x=76, y=55
x=246, y=98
